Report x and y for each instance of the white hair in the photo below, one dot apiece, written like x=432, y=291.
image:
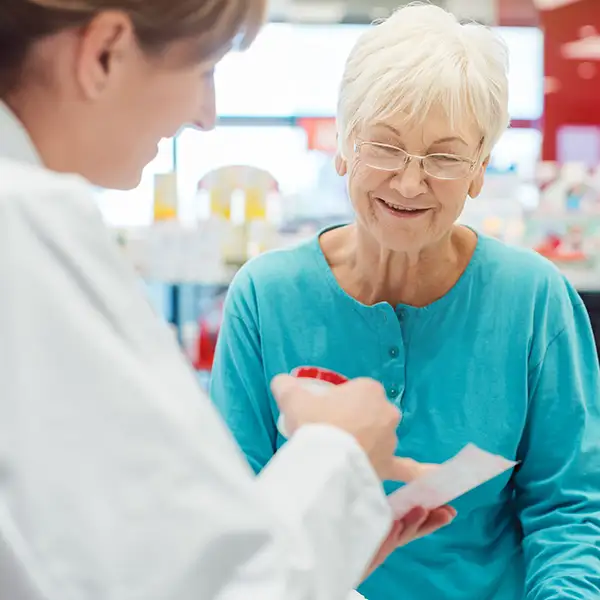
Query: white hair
x=423, y=58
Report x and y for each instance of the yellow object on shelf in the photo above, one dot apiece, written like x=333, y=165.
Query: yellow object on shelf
x=256, y=205
x=225, y=186
x=165, y=197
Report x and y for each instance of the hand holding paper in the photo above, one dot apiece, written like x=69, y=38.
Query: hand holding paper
x=421, y=506
x=470, y=468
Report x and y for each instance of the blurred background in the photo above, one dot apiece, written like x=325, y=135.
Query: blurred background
x=265, y=179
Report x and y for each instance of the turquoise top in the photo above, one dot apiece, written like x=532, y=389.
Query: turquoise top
x=506, y=360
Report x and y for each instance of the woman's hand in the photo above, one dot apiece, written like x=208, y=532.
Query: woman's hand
x=416, y=524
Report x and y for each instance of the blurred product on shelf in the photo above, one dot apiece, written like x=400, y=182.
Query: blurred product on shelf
x=240, y=193
x=165, y=196
x=203, y=340
x=565, y=226
x=169, y=252
x=498, y=211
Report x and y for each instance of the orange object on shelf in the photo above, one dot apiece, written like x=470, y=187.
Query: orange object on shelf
x=321, y=134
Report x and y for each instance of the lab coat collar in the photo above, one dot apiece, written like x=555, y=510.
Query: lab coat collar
x=15, y=142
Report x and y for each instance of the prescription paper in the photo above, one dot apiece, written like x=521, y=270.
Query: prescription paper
x=470, y=468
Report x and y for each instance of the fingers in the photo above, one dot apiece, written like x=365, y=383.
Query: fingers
x=406, y=469
x=438, y=518
x=289, y=392
x=419, y=523
x=416, y=524
x=450, y=510
x=389, y=545
x=297, y=405
x=391, y=542
x=413, y=522
x=284, y=387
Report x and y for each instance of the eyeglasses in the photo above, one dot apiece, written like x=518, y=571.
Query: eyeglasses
x=390, y=158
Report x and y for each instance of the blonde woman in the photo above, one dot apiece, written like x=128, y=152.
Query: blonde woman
x=473, y=341
x=117, y=478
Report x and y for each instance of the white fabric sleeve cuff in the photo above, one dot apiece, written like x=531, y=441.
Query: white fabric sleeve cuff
x=324, y=481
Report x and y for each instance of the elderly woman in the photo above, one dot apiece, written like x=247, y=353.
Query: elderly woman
x=474, y=341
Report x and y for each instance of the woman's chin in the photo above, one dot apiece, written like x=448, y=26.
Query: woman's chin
x=127, y=179
x=402, y=237
x=122, y=181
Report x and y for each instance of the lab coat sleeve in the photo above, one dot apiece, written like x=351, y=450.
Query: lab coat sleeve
x=558, y=483
x=307, y=499
x=118, y=480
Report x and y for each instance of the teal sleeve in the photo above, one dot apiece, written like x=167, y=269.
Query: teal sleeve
x=558, y=482
x=239, y=388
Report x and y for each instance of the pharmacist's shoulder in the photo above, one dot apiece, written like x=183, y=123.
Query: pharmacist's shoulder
x=525, y=276
x=49, y=222
x=33, y=192
x=278, y=276
x=20, y=179
x=16, y=176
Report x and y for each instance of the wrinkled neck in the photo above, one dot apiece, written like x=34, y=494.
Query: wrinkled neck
x=373, y=274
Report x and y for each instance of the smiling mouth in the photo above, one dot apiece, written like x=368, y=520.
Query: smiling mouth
x=402, y=210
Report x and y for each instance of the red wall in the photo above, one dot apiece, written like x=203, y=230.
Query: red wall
x=573, y=85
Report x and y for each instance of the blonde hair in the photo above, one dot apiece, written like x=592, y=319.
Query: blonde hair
x=212, y=25
x=422, y=58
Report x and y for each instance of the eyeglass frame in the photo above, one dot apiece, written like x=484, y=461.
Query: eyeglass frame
x=358, y=143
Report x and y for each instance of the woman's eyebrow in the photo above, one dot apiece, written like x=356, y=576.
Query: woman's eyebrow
x=390, y=128
x=450, y=139
x=439, y=141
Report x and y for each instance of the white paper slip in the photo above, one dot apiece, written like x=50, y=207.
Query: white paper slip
x=470, y=468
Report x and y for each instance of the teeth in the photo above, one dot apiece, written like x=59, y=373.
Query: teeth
x=395, y=207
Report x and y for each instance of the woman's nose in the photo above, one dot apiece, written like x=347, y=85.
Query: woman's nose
x=206, y=119
x=204, y=124
x=206, y=116
x=410, y=181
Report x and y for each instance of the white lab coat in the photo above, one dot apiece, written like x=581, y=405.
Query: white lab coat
x=118, y=480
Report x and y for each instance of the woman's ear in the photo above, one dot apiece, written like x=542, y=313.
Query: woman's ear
x=341, y=166
x=478, y=179
x=104, y=45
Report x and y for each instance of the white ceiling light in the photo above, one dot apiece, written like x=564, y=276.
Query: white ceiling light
x=317, y=12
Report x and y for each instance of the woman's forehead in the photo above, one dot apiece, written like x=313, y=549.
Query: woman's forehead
x=434, y=127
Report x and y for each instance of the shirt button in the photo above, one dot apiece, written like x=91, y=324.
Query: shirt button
x=394, y=351
x=393, y=392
